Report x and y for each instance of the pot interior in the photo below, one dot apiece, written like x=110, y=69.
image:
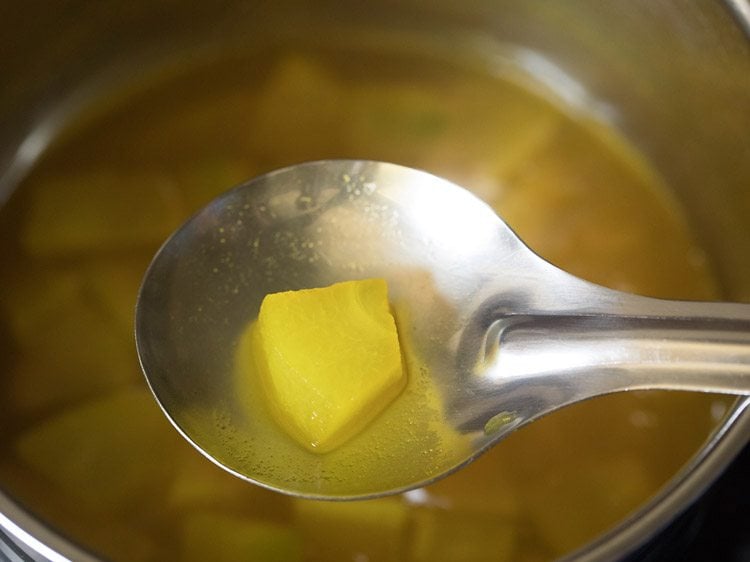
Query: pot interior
x=616, y=152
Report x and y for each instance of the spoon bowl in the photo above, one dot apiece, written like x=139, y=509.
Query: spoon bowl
x=493, y=334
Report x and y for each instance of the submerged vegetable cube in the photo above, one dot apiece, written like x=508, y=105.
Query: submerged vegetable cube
x=130, y=542
x=298, y=113
x=113, y=286
x=100, y=211
x=69, y=348
x=373, y=530
x=422, y=124
x=329, y=359
x=227, y=538
x=459, y=536
x=596, y=496
x=106, y=453
x=208, y=177
x=461, y=492
x=198, y=484
x=33, y=299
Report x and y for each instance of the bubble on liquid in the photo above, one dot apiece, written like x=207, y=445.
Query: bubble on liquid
x=304, y=202
x=499, y=421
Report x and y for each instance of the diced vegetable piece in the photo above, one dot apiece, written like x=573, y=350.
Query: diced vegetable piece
x=101, y=211
x=399, y=121
x=459, y=536
x=298, y=113
x=198, y=484
x=373, y=529
x=69, y=349
x=461, y=492
x=329, y=359
x=421, y=125
x=113, y=287
x=591, y=477
x=402, y=110
x=582, y=183
x=105, y=453
x=114, y=537
x=32, y=300
x=76, y=357
x=226, y=538
x=187, y=128
x=208, y=177
x=597, y=496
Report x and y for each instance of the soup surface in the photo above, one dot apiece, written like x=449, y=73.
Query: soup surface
x=82, y=442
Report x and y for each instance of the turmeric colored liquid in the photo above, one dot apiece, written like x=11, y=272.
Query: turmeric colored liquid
x=84, y=446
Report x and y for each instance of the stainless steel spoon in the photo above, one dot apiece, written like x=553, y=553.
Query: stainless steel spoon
x=505, y=336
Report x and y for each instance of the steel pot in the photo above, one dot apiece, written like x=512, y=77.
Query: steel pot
x=673, y=76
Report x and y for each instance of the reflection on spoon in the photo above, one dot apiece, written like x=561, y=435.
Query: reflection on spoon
x=494, y=336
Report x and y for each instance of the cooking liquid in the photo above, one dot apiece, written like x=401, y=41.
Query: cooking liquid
x=85, y=447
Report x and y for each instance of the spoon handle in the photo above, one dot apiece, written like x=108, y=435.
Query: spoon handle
x=689, y=346
x=593, y=341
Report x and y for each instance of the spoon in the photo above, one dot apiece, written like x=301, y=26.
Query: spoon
x=503, y=336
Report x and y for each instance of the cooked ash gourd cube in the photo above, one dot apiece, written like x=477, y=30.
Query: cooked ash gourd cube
x=283, y=129
x=374, y=529
x=101, y=210
x=33, y=298
x=422, y=124
x=113, y=534
x=329, y=359
x=220, y=537
x=70, y=350
x=589, y=499
x=208, y=177
x=461, y=536
x=200, y=485
x=112, y=286
x=105, y=453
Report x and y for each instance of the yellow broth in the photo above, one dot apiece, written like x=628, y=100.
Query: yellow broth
x=84, y=446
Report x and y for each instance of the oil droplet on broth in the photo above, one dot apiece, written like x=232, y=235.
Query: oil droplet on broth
x=499, y=422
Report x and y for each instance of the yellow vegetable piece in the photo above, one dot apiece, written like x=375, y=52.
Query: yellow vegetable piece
x=592, y=498
x=113, y=288
x=200, y=485
x=76, y=518
x=329, y=359
x=101, y=211
x=106, y=454
x=452, y=535
x=283, y=111
x=70, y=350
x=367, y=530
x=228, y=538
